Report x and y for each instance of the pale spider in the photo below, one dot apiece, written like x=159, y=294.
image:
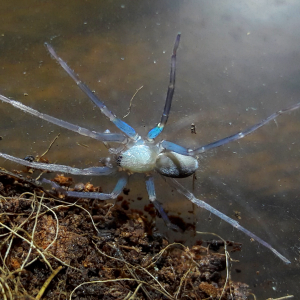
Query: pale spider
x=137, y=154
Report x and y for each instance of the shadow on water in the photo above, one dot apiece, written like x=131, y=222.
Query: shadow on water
x=237, y=64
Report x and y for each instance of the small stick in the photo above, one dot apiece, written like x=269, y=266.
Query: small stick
x=47, y=282
x=39, y=158
x=130, y=103
x=282, y=298
x=133, y=274
x=51, y=144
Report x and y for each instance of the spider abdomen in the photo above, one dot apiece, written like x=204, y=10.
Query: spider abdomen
x=175, y=165
x=139, y=158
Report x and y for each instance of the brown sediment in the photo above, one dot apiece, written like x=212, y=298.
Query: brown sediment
x=54, y=248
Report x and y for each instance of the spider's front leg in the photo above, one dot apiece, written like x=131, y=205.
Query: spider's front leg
x=128, y=130
x=153, y=133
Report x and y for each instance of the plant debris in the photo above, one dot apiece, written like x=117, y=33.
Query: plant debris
x=54, y=248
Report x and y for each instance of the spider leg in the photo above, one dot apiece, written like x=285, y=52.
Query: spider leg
x=104, y=137
x=184, y=151
x=153, y=133
x=152, y=197
x=222, y=216
x=91, y=195
x=60, y=168
x=128, y=130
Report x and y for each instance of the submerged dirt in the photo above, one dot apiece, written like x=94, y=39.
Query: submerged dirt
x=53, y=247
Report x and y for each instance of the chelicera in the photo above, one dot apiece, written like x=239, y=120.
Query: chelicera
x=137, y=154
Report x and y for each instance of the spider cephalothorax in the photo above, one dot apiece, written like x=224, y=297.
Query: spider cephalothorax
x=146, y=157
x=137, y=154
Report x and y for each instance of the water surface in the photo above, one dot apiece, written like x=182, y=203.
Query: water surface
x=237, y=64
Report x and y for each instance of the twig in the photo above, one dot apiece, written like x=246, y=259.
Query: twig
x=136, y=267
x=130, y=103
x=181, y=281
x=47, y=282
x=2, y=291
x=133, y=274
x=33, y=245
x=51, y=144
x=33, y=231
x=227, y=258
x=38, y=158
x=135, y=292
x=116, y=280
x=7, y=287
x=282, y=298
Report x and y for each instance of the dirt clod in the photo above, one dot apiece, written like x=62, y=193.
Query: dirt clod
x=58, y=249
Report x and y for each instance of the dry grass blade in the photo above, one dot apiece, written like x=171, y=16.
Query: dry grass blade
x=130, y=103
x=104, y=246
x=282, y=298
x=47, y=282
x=117, y=280
x=33, y=245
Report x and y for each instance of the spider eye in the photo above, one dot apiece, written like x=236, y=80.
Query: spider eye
x=119, y=159
x=175, y=165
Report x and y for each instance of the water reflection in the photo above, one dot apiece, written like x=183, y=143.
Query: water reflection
x=237, y=63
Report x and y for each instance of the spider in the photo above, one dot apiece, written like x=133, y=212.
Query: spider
x=139, y=155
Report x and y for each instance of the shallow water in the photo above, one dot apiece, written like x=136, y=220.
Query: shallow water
x=237, y=64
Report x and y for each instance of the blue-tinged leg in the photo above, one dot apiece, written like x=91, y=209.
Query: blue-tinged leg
x=152, y=197
x=153, y=133
x=184, y=151
x=128, y=130
x=245, y=132
x=175, y=148
x=92, y=171
x=91, y=195
x=182, y=190
x=104, y=137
